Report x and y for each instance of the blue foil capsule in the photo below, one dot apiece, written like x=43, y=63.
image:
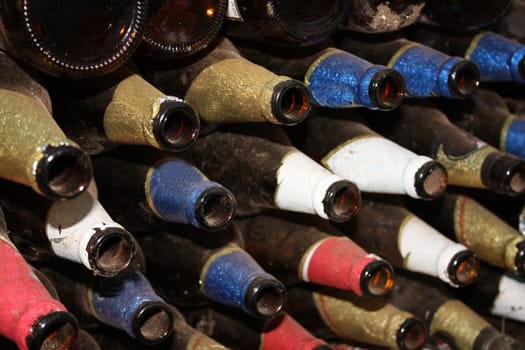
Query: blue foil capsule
x=498, y=58
x=513, y=137
x=338, y=79
x=178, y=192
x=128, y=302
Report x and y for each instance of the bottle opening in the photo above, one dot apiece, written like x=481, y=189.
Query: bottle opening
x=216, y=208
x=114, y=249
x=387, y=89
x=377, y=279
x=342, y=201
x=291, y=102
x=520, y=258
x=464, y=268
x=154, y=323
x=265, y=297
x=177, y=126
x=431, y=180
x=63, y=172
x=464, y=78
x=517, y=182
x=57, y=330
x=411, y=335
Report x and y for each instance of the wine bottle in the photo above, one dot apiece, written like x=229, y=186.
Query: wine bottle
x=122, y=108
x=239, y=331
x=29, y=316
x=448, y=316
x=78, y=229
x=126, y=301
x=497, y=58
x=285, y=23
x=274, y=176
x=85, y=342
x=210, y=267
x=372, y=162
x=144, y=194
x=470, y=162
x=224, y=87
x=335, y=78
x=35, y=152
x=73, y=39
x=364, y=319
x=509, y=25
x=426, y=71
x=178, y=28
x=294, y=249
x=396, y=234
x=468, y=222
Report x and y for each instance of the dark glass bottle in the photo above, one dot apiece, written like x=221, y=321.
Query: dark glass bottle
x=358, y=318
x=126, y=301
x=29, y=316
x=274, y=176
x=210, y=266
x=426, y=71
x=335, y=78
x=34, y=151
x=509, y=25
x=372, y=162
x=470, y=162
x=294, y=249
x=224, y=87
x=285, y=22
x=74, y=39
x=122, y=108
x=465, y=220
x=394, y=233
x=446, y=315
x=239, y=331
x=78, y=229
x=177, y=28
x=145, y=194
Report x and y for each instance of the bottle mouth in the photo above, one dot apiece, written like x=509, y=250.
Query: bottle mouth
x=387, y=89
x=520, y=258
x=153, y=322
x=377, y=278
x=464, y=268
x=431, y=180
x=265, y=297
x=509, y=175
x=110, y=251
x=56, y=330
x=176, y=125
x=291, y=102
x=63, y=172
x=342, y=201
x=463, y=79
x=215, y=208
x=411, y=335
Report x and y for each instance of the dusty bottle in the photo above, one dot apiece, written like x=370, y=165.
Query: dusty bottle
x=35, y=152
x=126, y=302
x=396, y=234
x=335, y=78
x=29, y=316
x=241, y=332
x=177, y=28
x=449, y=316
x=224, y=87
x=426, y=71
x=470, y=162
x=285, y=22
x=497, y=58
x=371, y=161
x=465, y=220
x=294, y=249
x=74, y=39
x=349, y=316
x=144, y=194
x=274, y=176
x=190, y=267
x=509, y=25
x=122, y=108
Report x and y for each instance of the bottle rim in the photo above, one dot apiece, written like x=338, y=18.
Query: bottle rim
x=342, y=201
x=56, y=328
x=110, y=250
x=215, y=208
x=405, y=336
x=463, y=78
x=291, y=102
x=265, y=297
x=377, y=269
x=431, y=180
x=152, y=322
x=387, y=89
x=463, y=260
x=176, y=126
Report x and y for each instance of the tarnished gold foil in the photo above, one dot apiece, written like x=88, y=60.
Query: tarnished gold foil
x=329, y=155
x=26, y=130
x=474, y=44
x=487, y=235
x=458, y=320
x=504, y=130
x=128, y=119
x=234, y=90
x=232, y=248
x=200, y=341
x=400, y=52
x=363, y=319
x=465, y=170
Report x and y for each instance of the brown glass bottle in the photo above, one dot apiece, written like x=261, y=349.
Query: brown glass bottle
x=298, y=248
x=74, y=39
x=35, y=152
x=224, y=87
x=470, y=162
